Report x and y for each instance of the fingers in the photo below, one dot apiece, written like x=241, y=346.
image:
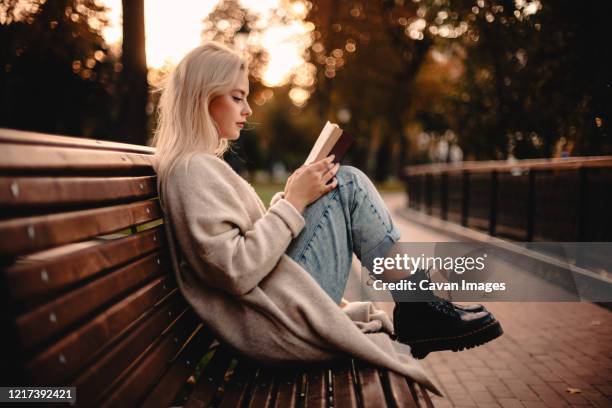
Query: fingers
x=329, y=187
x=330, y=173
x=323, y=164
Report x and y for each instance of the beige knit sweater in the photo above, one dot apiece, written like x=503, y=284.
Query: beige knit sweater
x=228, y=252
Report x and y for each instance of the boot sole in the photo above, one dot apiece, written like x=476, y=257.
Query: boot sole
x=421, y=348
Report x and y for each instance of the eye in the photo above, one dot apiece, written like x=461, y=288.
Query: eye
x=237, y=98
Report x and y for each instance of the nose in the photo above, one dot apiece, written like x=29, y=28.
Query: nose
x=247, y=111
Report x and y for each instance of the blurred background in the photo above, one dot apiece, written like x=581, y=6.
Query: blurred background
x=416, y=81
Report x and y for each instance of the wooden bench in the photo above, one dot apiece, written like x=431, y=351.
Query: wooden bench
x=88, y=296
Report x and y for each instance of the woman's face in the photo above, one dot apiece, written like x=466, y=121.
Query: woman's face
x=229, y=111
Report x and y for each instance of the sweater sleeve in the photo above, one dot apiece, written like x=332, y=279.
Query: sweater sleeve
x=232, y=255
x=276, y=197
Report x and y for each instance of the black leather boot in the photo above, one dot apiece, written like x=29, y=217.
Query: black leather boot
x=435, y=324
x=438, y=325
x=423, y=274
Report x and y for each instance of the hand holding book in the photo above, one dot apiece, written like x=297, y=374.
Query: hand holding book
x=310, y=182
x=317, y=176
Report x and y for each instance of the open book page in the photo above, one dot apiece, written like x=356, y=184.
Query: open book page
x=325, y=143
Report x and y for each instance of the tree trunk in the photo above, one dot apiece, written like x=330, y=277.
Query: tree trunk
x=135, y=89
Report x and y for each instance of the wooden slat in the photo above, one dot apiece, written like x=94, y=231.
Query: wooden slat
x=425, y=396
x=165, y=391
x=397, y=391
x=343, y=386
x=24, y=137
x=45, y=191
x=49, y=271
x=413, y=391
x=370, y=386
x=41, y=232
x=132, y=388
x=316, y=393
x=103, y=371
x=212, y=377
x=263, y=389
x=32, y=158
x=237, y=390
x=288, y=388
x=68, y=355
x=51, y=318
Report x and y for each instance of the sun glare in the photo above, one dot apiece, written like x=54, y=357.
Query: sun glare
x=174, y=28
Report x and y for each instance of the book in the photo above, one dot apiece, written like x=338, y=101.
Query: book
x=331, y=140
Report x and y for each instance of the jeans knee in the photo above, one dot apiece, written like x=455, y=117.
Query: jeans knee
x=349, y=173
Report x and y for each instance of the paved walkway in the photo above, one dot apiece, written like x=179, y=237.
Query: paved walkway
x=551, y=354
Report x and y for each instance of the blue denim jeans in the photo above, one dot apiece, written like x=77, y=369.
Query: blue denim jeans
x=350, y=219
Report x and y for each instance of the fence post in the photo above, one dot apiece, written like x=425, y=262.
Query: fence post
x=444, y=196
x=583, y=204
x=465, y=198
x=493, y=203
x=530, y=205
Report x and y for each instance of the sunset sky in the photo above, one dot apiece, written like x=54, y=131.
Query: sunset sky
x=174, y=28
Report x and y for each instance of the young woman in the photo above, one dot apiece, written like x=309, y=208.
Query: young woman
x=269, y=281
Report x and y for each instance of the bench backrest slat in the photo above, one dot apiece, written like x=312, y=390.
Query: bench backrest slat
x=39, y=193
x=26, y=158
x=45, y=231
x=11, y=136
x=64, y=358
x=50, y=271
x=51, y=318
x=111, y=363
x=145, y=373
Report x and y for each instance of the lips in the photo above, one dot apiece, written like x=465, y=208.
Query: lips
x=241, y=124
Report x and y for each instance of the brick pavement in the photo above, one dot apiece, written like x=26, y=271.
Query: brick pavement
x=551, y=354
x=548, y=351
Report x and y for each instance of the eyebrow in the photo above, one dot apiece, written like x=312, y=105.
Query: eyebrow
x=241, y=91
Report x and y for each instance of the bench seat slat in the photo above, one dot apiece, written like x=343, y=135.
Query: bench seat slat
x=398, y=393
x=316, y=393
x=42, y=192
x=370, y=386
x=133, y=385
x=173, y=380
x=101, y=374
x=41, y=232
x=344, y=394
x=288, y=388
x=212, y=377
x=262, y=389
x=49, y=271
x=64, y=358
x=237, y=390
x=49, y=319
x=423, y=395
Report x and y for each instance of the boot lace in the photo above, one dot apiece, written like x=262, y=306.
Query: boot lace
x=438, y=303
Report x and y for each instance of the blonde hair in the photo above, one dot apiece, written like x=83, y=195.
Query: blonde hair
x=185, y=126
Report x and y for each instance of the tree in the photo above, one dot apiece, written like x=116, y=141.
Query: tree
x=56, y=72
x=134, y=85
x=536, y=77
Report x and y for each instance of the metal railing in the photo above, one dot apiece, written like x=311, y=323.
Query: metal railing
x=526, y=200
